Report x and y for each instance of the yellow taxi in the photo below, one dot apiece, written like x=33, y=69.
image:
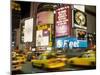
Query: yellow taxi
x=47, y=61
x=86, y=59
x=61, y=57
x=21, y=57
x=14, y=54
x=16, y=65
x=17, y=62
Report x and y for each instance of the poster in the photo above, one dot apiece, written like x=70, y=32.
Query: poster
x=42, y=35
x=28, y=31
x=63, y=21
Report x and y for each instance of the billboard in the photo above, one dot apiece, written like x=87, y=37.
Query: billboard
x=70, y=42
x=80, y=19
x=28, y=31
x=81, y=34
x=45, y=17
x=42, y=35
x=63, y=21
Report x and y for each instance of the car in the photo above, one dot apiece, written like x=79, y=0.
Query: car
x=61, y=57
x=48, y=62
x=30, y=56
x=17, y=61
x=21, y=57
x=16, y=64
x=14, y=54
x=86, y=59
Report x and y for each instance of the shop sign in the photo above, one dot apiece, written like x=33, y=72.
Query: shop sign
x=63, y=21
x=70, y=42
x=42, y=27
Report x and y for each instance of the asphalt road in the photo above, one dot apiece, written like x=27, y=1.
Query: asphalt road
x=27, y=68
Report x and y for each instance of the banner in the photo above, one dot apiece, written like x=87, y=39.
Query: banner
x=70, y=42
x=28, y=31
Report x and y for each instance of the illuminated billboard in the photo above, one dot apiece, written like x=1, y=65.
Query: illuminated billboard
x=28, y=31
x=42, y=35
x=70, y=42
x=80, y=19
x=45, y=17
x=63, y=21
x=81, y=34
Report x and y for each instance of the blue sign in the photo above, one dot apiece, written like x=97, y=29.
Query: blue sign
x=70, y=42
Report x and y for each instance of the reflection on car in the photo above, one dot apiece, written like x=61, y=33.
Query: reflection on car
x=47, y=61
x=86, y=59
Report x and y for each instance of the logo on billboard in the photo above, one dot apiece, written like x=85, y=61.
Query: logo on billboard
x=70, y=42
x=59, y=43
x=79, y=19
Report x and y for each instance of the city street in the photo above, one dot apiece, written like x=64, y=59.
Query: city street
x=27, y=68
x=53, y=37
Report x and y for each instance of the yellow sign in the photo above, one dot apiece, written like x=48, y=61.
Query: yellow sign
x=50, y=44
x=42, y=27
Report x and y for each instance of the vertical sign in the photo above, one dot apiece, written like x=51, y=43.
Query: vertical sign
x=80, y=19
x=63, y=21
x=42, y=35
x=22, y=33
x=28, y=32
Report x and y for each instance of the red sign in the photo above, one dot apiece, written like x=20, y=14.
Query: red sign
x=63, y=21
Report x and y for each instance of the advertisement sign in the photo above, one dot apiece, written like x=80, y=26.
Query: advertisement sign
x=80, y=7
x=28, y=31
x=22, y=27
x=70, y=42
x=80, y=19
x=63, y=21
x=81, y=34
x=42, y=35
x=45, y=17
x=42, y=27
